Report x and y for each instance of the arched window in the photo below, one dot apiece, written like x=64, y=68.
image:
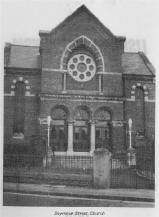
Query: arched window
x=19, y=112
x=140, y=111
x=84, y=45
x=59, y=129
x=83, y=61
x=103, y=129
x=81, y=137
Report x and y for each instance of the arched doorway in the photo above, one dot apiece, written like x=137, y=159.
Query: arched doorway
x=81, y=136
x=103, y=129
x=59, y=129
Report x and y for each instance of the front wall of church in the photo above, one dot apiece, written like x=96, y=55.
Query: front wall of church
x=55, y=49
x=54, y=88
x=54, y=45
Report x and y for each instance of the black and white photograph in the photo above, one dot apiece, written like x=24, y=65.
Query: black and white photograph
x=79, y=86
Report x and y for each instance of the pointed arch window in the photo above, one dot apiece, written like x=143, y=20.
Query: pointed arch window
x=19, y=110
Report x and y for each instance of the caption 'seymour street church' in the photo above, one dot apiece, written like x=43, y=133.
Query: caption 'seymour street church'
x=81, y=77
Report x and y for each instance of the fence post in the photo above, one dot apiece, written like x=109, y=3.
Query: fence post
x=101, y=168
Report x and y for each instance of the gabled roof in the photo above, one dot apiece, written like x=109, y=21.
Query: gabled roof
x=77, y=12
x=137, y=64
x=21, y=56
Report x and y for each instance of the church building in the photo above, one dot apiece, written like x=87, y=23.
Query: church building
x=83, y=79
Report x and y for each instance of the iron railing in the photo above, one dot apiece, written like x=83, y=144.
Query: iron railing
x=136, y=175
x=22, y=160
x=59, y=163
x=123, y=174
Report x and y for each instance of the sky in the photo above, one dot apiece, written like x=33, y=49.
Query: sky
x=135, y=19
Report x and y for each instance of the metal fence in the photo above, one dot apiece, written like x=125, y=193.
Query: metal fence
x=145, y=162
x=64, y=170
x=140, y=174
x=22, y=161
x=83, y=164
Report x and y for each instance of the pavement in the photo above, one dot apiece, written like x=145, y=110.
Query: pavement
x=144, y=195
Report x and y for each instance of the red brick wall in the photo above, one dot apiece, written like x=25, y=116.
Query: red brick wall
x=31, y=106
x=118, y=139
x=113, y=85
x=115, y=107
x=82, y=25
x=150, y=119
x=130, y=106
x=34, y=80
x=31, y=116
x=54, y=44
x=71, y=84
x=51, y=82
x=8, y=117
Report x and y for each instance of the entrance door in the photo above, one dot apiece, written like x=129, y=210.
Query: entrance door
x=58, y=137
x=81, y=136
x=103, y=135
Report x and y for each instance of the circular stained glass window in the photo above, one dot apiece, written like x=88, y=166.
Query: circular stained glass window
x=81, y=67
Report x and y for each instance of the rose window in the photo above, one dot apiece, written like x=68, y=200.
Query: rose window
x=81, y=67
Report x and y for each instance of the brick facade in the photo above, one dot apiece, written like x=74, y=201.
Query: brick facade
x=49, y=84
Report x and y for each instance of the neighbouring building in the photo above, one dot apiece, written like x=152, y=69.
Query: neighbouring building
x=81, y=77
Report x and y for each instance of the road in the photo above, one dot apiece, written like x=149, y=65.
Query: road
x=23, y=199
